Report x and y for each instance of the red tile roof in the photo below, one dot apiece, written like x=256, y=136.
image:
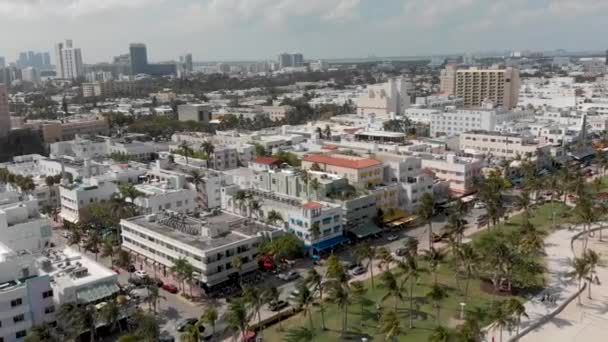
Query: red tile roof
x=346, y=161
x=312, y=205
x=330, y=147
x=266, y=160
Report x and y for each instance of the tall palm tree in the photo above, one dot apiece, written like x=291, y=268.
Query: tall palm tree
x=185, y=150
x=93, y=242
x=314, y=279
x=197, y=178
x=240, y=198
x=581, y=270
x=107, y=248
x=390, y=325
x=207, y=148
x=412, y=273
x=502, y=319
x=436, y=295
x=335, y=270
x=435, y=258
x=425, y=211
x=358, y=291
x=272, y=295
x=385, y=257
x=366, y=251
x=440, y=334
x=153, y=296
x=147, y=326
x=179, y=270
x=411, y=245
x=469, y=262
x=593, y=259
x=514, y=307
x=210, y=316
x=256, y=299
x=304, y=301
x=315, y=186
x=237, y=316
x=129, y=192
x=588, y=213
x=340, y=295
x=523, y=202
x=237, y=263
x=274, y=217
x=392, y=287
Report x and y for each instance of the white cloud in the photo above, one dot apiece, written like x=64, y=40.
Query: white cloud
x=38, y=8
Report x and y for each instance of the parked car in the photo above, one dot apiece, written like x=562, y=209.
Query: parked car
x=438, y=237
x=294, y=295
x=158, y=282
x=141, y=273
x=357, y=271
x=288, y=276
x=401, y=251
x=183, y=325
x=392, y=237
x=116, y=269
x=479, y=205
x=166, y=337
x=137, y=281
x=131, y=268
x=277, y=305
x=170, y=288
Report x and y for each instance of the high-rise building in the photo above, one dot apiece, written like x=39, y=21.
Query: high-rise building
x=2, y=62
x=5, y=119
x=30, y=74
x=447, y=79
x=69, y=61
x=297, y=60
x=476, y=86
x=46, y=59
x=285, y=60
x=187, y=60
x=139, y=58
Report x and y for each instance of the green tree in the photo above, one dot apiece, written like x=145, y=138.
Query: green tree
x=581, y=270
x=340, y=295
x=185, y=150
x=390, y=325
x=426, y=211
x=358, y=291
x=315, y=279
x=274, y=217
x=304, y=301
x=110, y=314
x=237, y=263
x=300, y=334
x=440, y=334
x=365, y=251
x=436, y=295
x=210, y=316
x=42, y=333
x=237, y=316
x=502, y=319
x=514, y=307
x=435, y=258
x=393, y=288
x=593, y=259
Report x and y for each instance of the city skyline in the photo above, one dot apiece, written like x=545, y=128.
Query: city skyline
x=260, y=29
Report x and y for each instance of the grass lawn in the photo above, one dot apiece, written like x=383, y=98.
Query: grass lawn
x=363, y=320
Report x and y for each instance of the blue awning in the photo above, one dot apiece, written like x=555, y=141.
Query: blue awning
x=329, y=243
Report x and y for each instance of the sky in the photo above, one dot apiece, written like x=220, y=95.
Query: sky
x=260, y=29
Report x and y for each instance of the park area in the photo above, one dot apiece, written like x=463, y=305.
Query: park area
x=366, y=308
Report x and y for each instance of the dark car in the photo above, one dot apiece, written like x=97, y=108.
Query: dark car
x=401, y=251
x=137, y=281
x=183, y=325
x=277, y=305
x=166, y=337
x=131, y=268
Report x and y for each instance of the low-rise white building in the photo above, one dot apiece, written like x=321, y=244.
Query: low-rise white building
x=459, y=172
x=76, y=196
x=210, y=243
x=508, y=146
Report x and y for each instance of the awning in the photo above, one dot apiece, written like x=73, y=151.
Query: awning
x=469, y=198
x=96, y=293
x=365, y=230
x=401, y=221
x=327, y=244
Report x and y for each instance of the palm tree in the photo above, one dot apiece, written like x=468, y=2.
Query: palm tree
x=440, y=334
x=274, y=217
x=254, y=208
x=532, y=238
x=340, y=295
x=514, y=307
x=390, y=325
x=197, y=178
x=304, y=301
x=435, y=258
x=207, y=148
x=192, y=334
x=301, y=334
x=240, y=198
x=315, y=232
x=335, y=270
x=179, y=270
x=185, y=150
x=107, y=248
x=593, y=259
x=210, y=316
x=412, y=273
x=147, y=326
x=237, y=262
x=523, y=202
x=314, y=278
x=110, y=314
x=358, y=291
x=237, y=317
x=256, y=299
x=272, y=295
x=366, y=251
x=436, y=295
x=327, y=132
x=586, y=212
x=93, y=242
x=153, y=296
x=426, y=211
x=581, y=270
x=411, y=245
x=469, y=260
x=392, y=287
x=42, y=333
x=76, y=236
x=315, y=186
x=455, y=228
x=552, y=184
x=385, y=257
x=128, y=191
x=502, y=319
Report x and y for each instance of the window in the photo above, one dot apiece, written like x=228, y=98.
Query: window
x=16, y=302
x=49, y=309
x=47, y=294
x=21, y=334
x=19, y=318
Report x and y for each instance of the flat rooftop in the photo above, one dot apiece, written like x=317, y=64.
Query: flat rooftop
x=61, y=265
x=189, y=230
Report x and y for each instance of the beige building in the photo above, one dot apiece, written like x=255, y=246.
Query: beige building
x=109, y=88
x=276, y=112
x=383, y=99
x=447, y=79
x=508, y=146
x=357, y=170
x=54, y=131
x=501, y=86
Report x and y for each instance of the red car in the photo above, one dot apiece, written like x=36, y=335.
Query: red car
x=170, y=288
x=116, y=269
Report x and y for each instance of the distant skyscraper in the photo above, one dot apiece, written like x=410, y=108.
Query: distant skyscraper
x=5, y=119
x=2, y=62
x=46, y=59
x=139, y=58
x=22, y=61
x=476, y=86
x=285, y=60
x=69, y=61
x=188, y=62
x=447, y=79
x=297, y=60
x=30, y=74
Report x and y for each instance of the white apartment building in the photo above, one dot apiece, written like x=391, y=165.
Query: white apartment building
x=76, y=196
x=439, y=101
x=454, y=122
x=26, y=297
x=209, y=243
x=475, y=85
x=380, y=100
x=447, y=80
x=459, y=172
x=159, y=196
x=508, y=146
x=70, y=59
x=91, y=148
